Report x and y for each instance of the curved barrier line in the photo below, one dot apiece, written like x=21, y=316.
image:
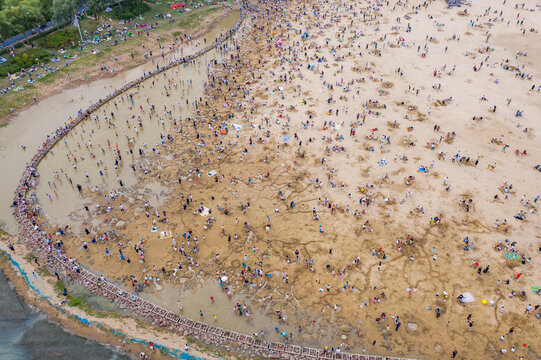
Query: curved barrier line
x=201, y=332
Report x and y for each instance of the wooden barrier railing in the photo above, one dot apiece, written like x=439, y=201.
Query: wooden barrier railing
x=39, y=244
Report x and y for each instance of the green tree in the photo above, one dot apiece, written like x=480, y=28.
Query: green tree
x=7, y=28
x=64, y=11
x=95, y=6
x=28, y=14
x=46, y=7
x=19, y=15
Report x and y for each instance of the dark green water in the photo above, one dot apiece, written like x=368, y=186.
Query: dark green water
x=26, y=334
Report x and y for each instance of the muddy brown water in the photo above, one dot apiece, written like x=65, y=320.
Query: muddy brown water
x=96, y=141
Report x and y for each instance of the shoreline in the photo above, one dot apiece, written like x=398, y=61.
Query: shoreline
x=201, y=332
x=66, y=318
x=75, y=321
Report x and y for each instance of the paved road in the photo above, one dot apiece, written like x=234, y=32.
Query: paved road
x=15, y=39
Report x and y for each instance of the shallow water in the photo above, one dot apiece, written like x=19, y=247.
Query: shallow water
x=199, y=299
x=27, y=335
x=173, y=91
x=98, y=140
x=97, y=302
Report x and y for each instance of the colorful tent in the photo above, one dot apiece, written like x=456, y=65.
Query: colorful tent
x=177, y=6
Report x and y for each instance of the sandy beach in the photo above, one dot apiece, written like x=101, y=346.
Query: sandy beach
x=354, y=175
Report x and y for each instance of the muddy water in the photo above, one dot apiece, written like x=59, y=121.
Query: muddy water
x=222, y=306
x=87, y=156
x=97, y=302
x=222, y=26
x=31, y=125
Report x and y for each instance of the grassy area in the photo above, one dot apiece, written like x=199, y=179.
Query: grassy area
x=29, y=257
x=156, y=8
x=66, y=37
x=80, y=302
x=24, y=59
x=129, y=10
x=15, y=101
x=193, y=19
x=41, y=271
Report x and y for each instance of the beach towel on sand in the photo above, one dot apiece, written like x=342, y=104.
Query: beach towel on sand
x=468, y=297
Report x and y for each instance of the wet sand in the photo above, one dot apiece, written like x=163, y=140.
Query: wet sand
x=360, y=182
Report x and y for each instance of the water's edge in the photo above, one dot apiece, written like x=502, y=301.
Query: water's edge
x=28, y=334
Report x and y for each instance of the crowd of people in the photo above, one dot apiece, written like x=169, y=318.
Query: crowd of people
x=287, y=159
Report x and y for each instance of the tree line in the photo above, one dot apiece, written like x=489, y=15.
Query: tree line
x=17, y=16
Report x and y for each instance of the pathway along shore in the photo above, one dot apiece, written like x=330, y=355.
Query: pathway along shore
x=201, y=332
